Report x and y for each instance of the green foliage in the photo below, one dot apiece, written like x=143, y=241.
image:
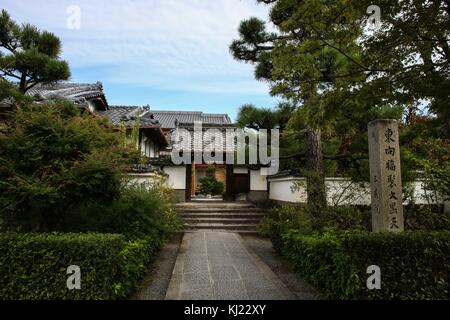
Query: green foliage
x=140, y=211
x=426, y=217
x=426, y=154
x=265, y=227
x=29, y=55
x=281, y=219
x=210, y=185
x=414, y=265
x=344, y=218
x=320, y=57
x=409, y=68
x=323, y=261
x=9, y=91
x=54, y=159
x=264, y=118
x=33, y=266
x=437, y=180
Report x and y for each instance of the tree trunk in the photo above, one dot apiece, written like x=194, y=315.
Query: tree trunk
x=23, y=83
x=315, y=176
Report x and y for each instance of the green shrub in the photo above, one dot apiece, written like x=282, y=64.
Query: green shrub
x=210, y=185
x=414, y=265
x=283, y=218
x=141, y=210
x=341, y=218
x=55, y=159
x=33, y=266
x=323, y=261
x=426, y=217
x=344, y=218
x=265, y=227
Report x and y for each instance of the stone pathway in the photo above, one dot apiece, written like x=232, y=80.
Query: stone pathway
x=217, y=266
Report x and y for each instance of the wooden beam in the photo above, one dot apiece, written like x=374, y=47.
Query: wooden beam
x=188, y=195
x=229, y=185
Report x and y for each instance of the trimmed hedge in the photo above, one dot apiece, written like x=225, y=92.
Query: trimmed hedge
x=33, y=266
x=414, y=265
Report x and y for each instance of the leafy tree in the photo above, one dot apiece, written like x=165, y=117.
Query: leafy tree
x=322, y=55
x=408, y=56
x=302, y=67
x=29, y=56
x=55, y=159
x=256, y=118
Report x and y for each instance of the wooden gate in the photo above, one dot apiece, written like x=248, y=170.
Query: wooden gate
x=241, y=183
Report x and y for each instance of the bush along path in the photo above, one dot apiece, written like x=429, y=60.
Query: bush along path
x=414, y=265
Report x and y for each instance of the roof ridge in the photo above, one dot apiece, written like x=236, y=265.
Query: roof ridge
x=176, y=111
x=190, y=112
x=216, y=114
x=127, y=107
x=98, y=83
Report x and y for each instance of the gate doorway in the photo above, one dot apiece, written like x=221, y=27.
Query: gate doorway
x=241, y=183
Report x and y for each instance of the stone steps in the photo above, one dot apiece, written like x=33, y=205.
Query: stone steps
x=213, y=204
x=221, y=226
x=226, y=215
x=220, y=216
x=224, y=221
x=221, y=210
x=241, y=232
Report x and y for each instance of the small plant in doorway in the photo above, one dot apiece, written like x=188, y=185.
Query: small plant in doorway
x=210, y=186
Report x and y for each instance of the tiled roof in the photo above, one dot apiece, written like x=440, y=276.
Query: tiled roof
x=212, y=140
x=129, y=115
x=168, y=119
x=75, y=92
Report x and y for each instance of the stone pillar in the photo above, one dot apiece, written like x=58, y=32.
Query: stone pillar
x=386, y=180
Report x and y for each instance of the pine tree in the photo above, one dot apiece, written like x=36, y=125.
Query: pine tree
x=301, y=61
x=29, y=56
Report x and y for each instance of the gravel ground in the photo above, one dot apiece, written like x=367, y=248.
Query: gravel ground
x=157, y=281
x=282, y=268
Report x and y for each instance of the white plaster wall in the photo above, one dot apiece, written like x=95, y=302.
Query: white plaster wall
x=282, y=190
x=177, y=177
x=145, y=178
x=240, y=170
x=340, y=191
x=423, y=196
x=258, y=182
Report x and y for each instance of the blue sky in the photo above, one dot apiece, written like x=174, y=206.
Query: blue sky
x=169, y=54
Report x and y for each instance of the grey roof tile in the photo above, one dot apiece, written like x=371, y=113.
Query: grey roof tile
x=169, y=118
x=129, y=115
x=67, y=90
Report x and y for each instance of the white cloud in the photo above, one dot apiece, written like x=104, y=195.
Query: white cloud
x=166, y=44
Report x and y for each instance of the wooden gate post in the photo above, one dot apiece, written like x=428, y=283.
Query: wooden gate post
x=229, y=192
x=188, y=182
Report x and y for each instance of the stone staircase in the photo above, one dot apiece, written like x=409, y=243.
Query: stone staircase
x=220, y=216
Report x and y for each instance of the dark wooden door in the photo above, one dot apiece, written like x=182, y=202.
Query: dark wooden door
x=241, y=183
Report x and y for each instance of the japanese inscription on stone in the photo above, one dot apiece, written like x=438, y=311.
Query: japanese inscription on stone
x=386, y=181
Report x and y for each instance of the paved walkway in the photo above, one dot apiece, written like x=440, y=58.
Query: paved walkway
x=217, y=266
